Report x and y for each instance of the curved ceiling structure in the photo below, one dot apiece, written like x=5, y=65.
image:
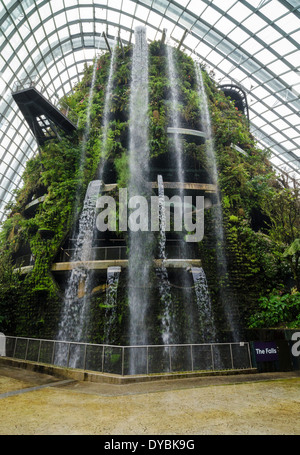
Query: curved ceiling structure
x=253, y=44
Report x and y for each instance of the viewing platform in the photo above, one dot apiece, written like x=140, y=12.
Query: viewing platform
x=206, y=187
x=123, y=263
x=185, y=132
x=42, y=115
x=104, y=257
x=32, y=206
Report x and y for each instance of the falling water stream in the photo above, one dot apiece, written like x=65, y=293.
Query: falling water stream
x=75, y=306
x=113, y=274
x=218, y=213
x=140, y=242
x=75, y=313
x=190, y=332
x=87, y=129
x=86, y=135
x=161, y=271
x=207, y=326
x=174, y=117
x=107, y=108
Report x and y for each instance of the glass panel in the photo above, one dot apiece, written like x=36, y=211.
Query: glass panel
x=225, y=25
x=160, y=5
x=238, y=36
x=210, y=15
x=288, y=23
x=254, y=23
x=239, y=12
x=114, y=17
x=129, y=7
x=221, y=4
x=269, y=35
x=273, y=10
x=86, y=13
x=283, y=47
x=116, y=4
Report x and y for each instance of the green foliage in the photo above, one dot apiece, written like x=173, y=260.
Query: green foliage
x=10, y=290
x=278, y=309
x=257, y=261
x=293, y=249
x=122, y=167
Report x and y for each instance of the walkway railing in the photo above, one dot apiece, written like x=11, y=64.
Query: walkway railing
x=28, y=83
x=120, y=252
x=98, y=253
x=151, y=359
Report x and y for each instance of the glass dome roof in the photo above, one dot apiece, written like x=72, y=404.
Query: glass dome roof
x=253, y=44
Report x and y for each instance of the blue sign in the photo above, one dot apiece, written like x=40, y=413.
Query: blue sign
x=265, y=351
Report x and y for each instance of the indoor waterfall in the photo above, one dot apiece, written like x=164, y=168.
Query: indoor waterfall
x=161, y=272
x=86, y=135
x=140, y=242
x=107, y=109
x=75, y=307
x=75, y=314
x=174, y=113
x=217, y=208
x=190, y=331
x=113, y=274
x=207, y=326
x=89, y=109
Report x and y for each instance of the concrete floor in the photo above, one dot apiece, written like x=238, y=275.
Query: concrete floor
x=253, y=404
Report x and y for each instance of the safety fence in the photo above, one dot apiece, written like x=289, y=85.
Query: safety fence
x=127, y=360
x=109, y=253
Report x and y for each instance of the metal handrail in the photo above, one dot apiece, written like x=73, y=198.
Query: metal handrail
x=172, y=252
x=107, y=352
x=26, y=83
x=94, y=250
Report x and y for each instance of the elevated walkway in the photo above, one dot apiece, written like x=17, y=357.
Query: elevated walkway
x=103, y=265
x=194, y=186
x=41, y=115
x=186, y=132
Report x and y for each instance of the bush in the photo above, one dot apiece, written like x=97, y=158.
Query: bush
x=277, y=309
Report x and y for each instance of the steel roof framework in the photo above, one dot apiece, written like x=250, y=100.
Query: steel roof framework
x=254, y=45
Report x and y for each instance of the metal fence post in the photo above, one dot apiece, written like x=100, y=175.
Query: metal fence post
x=15, y=347
x=122, y=360
x=212, y=357
x=192, y=360
x=84, y=358
x=147, y=359
x=68, y=358
x=230, y=347
x=26, y=350
x=170, y=363
x=249, y=354
x=102, y=358
x=39, y=352
x=53, y=353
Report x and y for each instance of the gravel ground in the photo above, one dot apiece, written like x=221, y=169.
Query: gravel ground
x=262, y=404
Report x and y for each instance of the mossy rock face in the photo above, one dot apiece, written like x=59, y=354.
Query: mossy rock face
x=256, y=263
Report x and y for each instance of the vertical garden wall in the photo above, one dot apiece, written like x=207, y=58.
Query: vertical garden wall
x=260, y=210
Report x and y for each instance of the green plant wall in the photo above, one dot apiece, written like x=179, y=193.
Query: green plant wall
x=260, y=258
